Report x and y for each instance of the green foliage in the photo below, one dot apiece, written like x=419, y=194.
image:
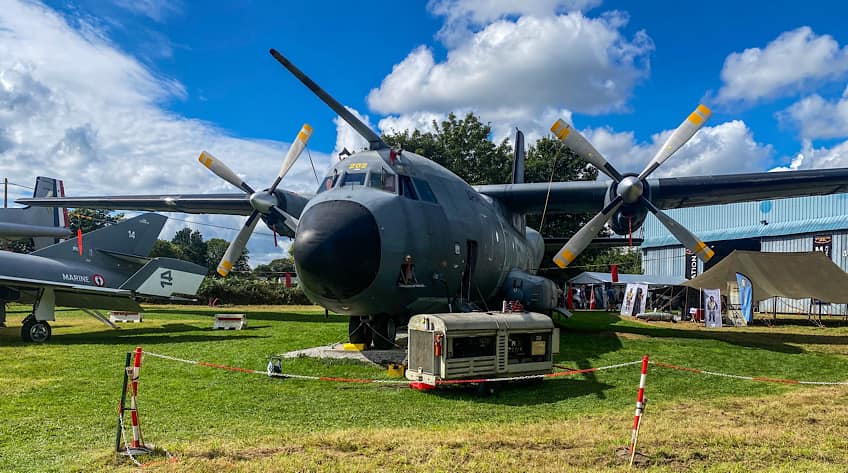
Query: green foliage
x=166, y=249
x=188, y=245
x=191, y=245
x=215, y=249
x=250, y=291
x=629, y=261
x=89, y=220
x=279, y=265
x=463, y=146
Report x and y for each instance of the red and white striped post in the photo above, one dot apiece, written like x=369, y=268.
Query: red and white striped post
x=136, y=429
x=640, y=404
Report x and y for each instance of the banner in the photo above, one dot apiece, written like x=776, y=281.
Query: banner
x=712, y=307
x=746, y=303
x=823, y=243
x=691, y=260
x=635, y=297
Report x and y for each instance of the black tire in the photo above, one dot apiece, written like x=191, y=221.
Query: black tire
x=36, y=331
x=385, y=332
x=358, y=331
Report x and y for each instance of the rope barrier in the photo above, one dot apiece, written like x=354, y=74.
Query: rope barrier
x=749, y=378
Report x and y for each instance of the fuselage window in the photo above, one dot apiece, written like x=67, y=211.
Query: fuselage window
x=406, y=188
x=353, y=179
x=424, y=191
x=328, y=183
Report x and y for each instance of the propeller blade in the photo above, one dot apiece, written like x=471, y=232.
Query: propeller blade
x=580, y=145
x=223, y=171
x=585, y=235
x=236, y=247
x=288, y=219
x=295, y=150
x=680, y=232
x=681, y=135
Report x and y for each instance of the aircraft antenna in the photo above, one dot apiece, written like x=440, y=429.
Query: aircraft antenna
x=317, y=181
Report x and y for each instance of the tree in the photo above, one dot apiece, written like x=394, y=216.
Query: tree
x=463, y=146
x=89, y=220
x=191, y=245
x=166, y=249
x=215, y=250
x=279, y=265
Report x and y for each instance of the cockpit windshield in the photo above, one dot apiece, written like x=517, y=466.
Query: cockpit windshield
x=353, y=179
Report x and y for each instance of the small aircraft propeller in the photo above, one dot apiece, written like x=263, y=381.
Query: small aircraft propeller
x=263, y=202
x=630, y=189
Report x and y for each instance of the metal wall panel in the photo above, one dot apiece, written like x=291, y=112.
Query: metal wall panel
x=666, y=261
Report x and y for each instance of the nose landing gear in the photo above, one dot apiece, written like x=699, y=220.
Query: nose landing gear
x=379, y=329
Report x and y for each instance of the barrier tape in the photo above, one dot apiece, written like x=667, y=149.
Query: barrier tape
x=749, y=378
x=491, y=380
x=385, y=381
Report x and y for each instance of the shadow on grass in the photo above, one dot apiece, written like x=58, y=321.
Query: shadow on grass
x=256, y=315
x=526, y=393
x=601, y=324
x=169, y=333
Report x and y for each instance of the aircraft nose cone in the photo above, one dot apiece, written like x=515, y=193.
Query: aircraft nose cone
x=337, y=249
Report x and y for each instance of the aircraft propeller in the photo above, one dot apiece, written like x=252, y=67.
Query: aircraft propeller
x=630, y=189
x=263, y=202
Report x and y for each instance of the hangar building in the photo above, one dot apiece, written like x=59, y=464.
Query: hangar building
x=799, y=224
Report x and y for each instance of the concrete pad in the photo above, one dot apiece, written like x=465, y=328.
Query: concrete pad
x=337, y=351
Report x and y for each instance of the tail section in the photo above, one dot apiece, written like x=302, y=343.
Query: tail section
x=50, y=216
x=166, y=277
x=45, y=225
x=132, y=238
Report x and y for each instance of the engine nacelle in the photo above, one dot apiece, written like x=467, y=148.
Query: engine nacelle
x=534, y=292
x=629, y=217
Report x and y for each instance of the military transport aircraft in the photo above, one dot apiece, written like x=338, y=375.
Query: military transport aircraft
x=390, y=233
x=43, y=225
x=103, y=269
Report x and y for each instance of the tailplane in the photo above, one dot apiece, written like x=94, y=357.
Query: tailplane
x=167, y=277
x=45, y=225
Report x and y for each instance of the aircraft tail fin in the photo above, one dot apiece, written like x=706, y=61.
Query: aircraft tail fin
x=48, y=216
x=132, y=237
x=167, y=277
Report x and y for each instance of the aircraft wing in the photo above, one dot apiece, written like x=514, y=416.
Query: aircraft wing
x=230, y=204
x=22, y=230
x=674, y=192
x=71, y=295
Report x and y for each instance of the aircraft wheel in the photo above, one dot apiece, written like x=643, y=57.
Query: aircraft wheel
x=358, y=331
x=385, y=331
x=37, y=331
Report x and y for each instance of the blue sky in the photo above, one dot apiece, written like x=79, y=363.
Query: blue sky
x=120, y=97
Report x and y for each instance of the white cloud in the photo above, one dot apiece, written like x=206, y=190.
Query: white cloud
x=347, y=137
x=816, y=117
x=92, y=116
x=520, y=68
x=793, y=61
x=158, y=10
x=811, y=157
x=462, y=17
x=722, y=149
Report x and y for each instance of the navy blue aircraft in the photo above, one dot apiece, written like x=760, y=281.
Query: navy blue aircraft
x=390, y=233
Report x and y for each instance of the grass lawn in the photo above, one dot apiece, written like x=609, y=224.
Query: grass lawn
x=58, y=400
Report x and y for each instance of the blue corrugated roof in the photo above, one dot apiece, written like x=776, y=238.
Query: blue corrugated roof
x=591, y=277
x=838, y=222
x=744, y=219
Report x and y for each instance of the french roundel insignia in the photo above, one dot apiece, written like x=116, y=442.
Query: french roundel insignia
x=99, y=280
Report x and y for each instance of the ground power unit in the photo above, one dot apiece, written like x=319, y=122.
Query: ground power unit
x=480, y=345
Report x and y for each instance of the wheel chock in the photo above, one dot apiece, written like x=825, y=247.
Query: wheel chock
x=354, y=347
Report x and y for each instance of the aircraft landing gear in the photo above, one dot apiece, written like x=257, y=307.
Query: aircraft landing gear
x=33, y=330
x=385, y=331
x=358, y=331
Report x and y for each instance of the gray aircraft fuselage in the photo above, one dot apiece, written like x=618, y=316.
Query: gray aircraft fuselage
x=373, y=211
x=38, y=268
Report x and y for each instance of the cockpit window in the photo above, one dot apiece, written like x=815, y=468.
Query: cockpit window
x=380, y=179
x=353, y=179
x=328, y=183
x=406, y=188
x=425, y=191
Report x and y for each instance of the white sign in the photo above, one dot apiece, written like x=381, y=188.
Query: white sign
x=635, y=297
x=712, y=308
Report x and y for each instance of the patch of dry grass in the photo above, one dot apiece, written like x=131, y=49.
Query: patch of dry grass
x=804, y=430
